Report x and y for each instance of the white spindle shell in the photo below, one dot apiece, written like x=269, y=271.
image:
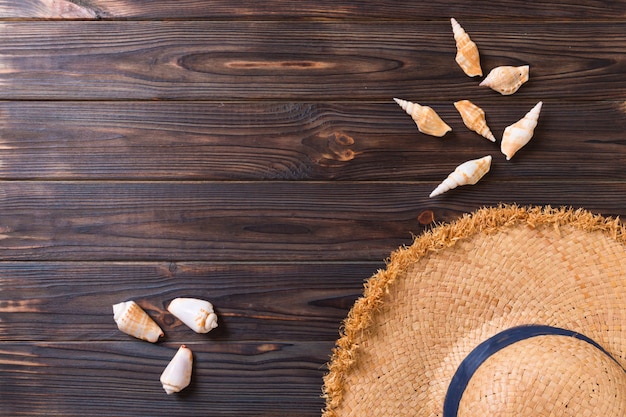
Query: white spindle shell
x=467, y=55
x=519, y=133
x=468, y=173
x=507, y=79
x=426, y=119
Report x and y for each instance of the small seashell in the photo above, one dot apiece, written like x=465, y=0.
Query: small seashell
x=466, y=51
x=468, y=173
x=177, y=373
x=132, y=320
x=474, y=118
x=519, y=133
x=426, y=119
x=195, y=313
x=506, y=80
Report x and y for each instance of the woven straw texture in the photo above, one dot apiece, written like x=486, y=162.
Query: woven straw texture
x=462, y=283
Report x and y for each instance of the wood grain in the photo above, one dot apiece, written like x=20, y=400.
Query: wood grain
x=250, y=153
x=330, y=61
x=270, y=221
x=248, y=141
x=71, y=301
x=321, y=9
x=120, y=378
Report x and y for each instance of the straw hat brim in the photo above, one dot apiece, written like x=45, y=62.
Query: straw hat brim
x=518, y=310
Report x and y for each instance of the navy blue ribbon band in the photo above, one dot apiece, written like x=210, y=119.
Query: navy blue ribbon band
x=482, y=352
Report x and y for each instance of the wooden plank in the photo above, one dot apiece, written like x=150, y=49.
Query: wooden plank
x=224, y=61
x=295, y=141
x=255, y=221
x=122, y=379
x=71, y=301
x=320, y=9
x=202, y=221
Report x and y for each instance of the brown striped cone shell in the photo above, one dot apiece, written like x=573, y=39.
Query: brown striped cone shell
x=506, y=80
x=466, y=51
x=132, y=320
x=197, y=314
x=426, y=119
x=468, y=173
x=177, y=373
x=474, y=118
x=519, y=133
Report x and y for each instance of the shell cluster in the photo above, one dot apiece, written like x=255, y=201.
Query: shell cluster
x=505, y=80
x=197, y=314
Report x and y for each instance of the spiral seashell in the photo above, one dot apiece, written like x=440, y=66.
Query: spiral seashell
x=506, y=80
x=426, y=119
x=177, y=373
x=132, y=320
x=474, y=118
x=519, y=133
x=468, y=173
x=466, y=51
x=196, y=314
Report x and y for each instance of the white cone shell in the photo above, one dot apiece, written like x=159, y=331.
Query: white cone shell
x=197, y=314
x=468, y=173
x=519, y=133
x=177, y=374
x=132, y=320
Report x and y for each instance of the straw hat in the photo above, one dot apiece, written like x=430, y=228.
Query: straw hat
x=509, y=311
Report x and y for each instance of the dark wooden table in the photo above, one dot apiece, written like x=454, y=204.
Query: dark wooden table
x=250, y=153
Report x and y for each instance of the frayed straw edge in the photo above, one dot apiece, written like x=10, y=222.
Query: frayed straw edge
x=485, y=220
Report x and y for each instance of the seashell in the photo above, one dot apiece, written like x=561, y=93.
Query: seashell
x=519, y=133
x=426, y=119
x=466, y=51
x=468, y=173
x=506, y=80
x=474, y=118
x=195, y=313
x=132, y=320
x=177, y=373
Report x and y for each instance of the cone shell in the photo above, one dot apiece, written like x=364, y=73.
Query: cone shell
x=177, y=374
x=132, y=320
x=519, y=133
x=506, y=80
x=196, y=314
x=468, y=173
x=474, y=118
x=426, y=119
x=466, y=51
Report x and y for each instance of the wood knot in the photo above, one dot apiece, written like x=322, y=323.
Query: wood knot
x=335, y=147
x=426, y=217
x=66, y=9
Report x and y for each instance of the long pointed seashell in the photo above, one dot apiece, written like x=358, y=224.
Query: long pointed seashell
x=196, y=314
x=466, y=51
x=474, y=118
x=177, y=373
x=506, y=80
x=132, y=320
x=426, y=119
x=468, y=173
x=519, y=133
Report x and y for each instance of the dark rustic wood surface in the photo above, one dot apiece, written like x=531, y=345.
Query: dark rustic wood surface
x=250, y=153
